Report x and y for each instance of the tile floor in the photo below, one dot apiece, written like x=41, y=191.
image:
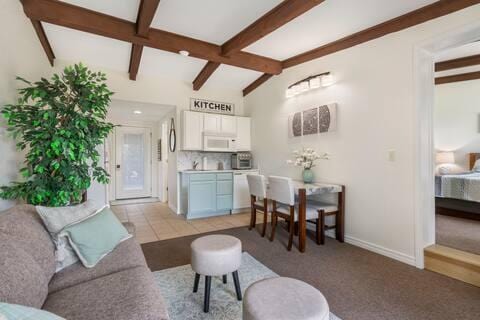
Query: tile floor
x=156, y=221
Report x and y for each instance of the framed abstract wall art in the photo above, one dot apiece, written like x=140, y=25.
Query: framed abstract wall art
x=317, y=120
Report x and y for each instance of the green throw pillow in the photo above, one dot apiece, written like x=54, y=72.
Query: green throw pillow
x=18, y=312
x=95, y=237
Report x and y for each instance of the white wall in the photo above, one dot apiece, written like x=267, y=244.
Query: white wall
x=457, y=120
x=22, y=55
x=375, y=96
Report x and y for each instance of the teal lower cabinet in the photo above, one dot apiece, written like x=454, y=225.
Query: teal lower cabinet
x=224, y=202
x=207, y=194
x=202, y=197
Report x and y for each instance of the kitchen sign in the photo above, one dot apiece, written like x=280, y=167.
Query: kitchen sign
x=212, y=106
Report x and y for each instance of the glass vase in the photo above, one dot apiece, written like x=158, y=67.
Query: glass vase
x=307, y=176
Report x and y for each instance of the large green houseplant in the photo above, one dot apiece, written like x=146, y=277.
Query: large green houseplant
x=59, y=123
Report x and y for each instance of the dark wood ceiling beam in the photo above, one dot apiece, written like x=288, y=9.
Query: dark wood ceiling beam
x=458, y=77
x=74, y=17
x=37, y=25
x=146, y=12
x=255, y=84
x=458, y=63
x=426, y=13
x=135, y=57
x=203, y=76
x=269, y=22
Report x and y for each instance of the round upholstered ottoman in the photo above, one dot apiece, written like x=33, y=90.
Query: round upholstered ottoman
x=284, y=299
x=216, y=255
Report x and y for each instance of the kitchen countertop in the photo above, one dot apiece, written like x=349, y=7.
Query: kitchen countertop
x=188, y=171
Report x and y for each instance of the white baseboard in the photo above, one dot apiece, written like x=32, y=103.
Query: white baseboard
x=173, y=208
x=376, y=248
x=134, y=201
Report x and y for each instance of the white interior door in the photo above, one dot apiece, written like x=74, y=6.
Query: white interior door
x=133, y=167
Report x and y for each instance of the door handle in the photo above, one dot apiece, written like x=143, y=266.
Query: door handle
x=118, y=166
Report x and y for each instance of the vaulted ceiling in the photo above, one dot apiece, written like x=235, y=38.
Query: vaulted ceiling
x=274, y=31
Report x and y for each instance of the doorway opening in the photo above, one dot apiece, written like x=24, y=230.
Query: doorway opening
x=457, y=147
x=137, y=152
x=429, y=253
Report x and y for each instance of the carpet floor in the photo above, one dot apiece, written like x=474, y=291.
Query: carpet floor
x=358, y=284
x=458, y=233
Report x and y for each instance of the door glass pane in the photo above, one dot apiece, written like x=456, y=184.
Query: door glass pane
x=133, y=161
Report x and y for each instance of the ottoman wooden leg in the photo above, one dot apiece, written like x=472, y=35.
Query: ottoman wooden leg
x=224, y=278
x=195, y=283
x=237, y=285
x=206, y=301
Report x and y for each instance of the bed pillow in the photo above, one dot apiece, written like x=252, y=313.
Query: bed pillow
x=56, y=219
x=476, y=166
x=18, y=312
x=95, y=237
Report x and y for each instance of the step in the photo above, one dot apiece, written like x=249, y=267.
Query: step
x=460, y=265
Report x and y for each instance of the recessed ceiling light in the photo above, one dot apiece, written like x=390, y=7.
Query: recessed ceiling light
x=184, y=53
x=137, y=112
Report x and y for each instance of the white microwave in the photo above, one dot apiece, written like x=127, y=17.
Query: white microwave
x=218, y=143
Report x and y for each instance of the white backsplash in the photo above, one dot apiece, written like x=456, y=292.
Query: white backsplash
x=185, y=160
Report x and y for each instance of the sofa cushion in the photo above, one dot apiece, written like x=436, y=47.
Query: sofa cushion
x=18, y=312
x=126, y=255
x=125, y=295
x=24, y=230
x=22, y=280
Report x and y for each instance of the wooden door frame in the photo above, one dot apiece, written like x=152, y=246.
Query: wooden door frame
x=424, y=145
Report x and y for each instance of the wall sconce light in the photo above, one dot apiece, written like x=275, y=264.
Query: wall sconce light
x=313, y=82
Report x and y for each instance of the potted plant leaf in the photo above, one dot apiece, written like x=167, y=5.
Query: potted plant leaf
x=59, y=123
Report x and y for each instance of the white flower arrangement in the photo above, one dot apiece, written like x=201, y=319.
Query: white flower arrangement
x=307, y=157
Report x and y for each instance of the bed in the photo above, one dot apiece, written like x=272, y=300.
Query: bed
x=459, y=194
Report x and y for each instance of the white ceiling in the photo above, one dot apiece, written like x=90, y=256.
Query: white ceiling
x=217, y=21
x=469, y=49
x=122, y=110
x=330, y=21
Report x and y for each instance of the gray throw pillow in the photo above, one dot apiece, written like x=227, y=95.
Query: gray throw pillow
x=56, y=219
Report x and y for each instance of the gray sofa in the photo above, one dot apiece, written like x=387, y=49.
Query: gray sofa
x=120, y=287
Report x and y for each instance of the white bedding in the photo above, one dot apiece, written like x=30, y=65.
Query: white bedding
x=465, y=186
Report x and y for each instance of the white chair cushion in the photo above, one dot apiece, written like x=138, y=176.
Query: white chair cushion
x=216, y=255
x=312, y=209
x=267, y=300
x=257, y=185
x=281, y=189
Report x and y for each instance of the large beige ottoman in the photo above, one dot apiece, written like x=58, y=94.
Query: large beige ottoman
x=216, y=255
x=284, y=299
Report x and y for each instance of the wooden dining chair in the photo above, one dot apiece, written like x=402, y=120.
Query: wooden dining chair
x=258, y=200
x=281, y=192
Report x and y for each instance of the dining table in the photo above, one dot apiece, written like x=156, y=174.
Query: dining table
x=303, y=191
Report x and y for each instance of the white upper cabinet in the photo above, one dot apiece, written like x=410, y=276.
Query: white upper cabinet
x=228, y=125
x=192, y=126
x=243, y=142
x=219, y=124
x=212, y=123
x=195, y=125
